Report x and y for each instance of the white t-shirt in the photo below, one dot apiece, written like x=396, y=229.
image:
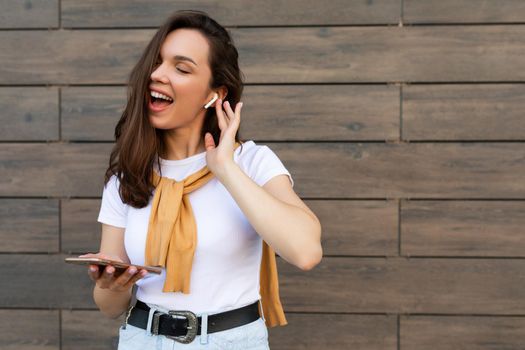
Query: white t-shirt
x=226, y=263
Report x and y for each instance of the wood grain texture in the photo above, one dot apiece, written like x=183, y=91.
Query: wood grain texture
x=42, y=281
x=461, y=228
x=321, y=170
x=29, y=114
x=29, y=225
x=461, y=332
x=337, y=284
x=335, y=331
x=357, y=227
x=405, y=286
x=405, y=170
x=29, y=329
x=463, y=112
x=89, y=330
x=70, y=57
x=320, y=112
x=91, y=113
x=367, y=228
x=114, y=13
x=29, y=14
x=81, y=233
x=53, y=169
x=464, y=11
x=382, y=54
x=400, y=121
x=290, y=112
x=283, y=55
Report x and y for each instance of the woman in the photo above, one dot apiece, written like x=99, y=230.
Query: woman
x=182, y=191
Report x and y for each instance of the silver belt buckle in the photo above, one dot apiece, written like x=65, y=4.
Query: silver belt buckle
x=192, y=327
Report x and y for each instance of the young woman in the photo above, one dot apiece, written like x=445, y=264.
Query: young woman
x=183, y=192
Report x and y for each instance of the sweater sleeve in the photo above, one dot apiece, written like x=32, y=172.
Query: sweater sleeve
x=112, y=210
x=262, y=164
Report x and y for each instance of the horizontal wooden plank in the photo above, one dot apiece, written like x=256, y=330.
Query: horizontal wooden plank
x=91, y=113
x=59, y=285
x=459, y=228
x=337, y=284
x=382, y=54
x=89, y=330
x=321, y=112
x=465, y=11
x=29, y=329
x=70, y=57
x=29, y=225
x=400, y=285
x=29, y=114
x=114, y=13
x=349, y=227
x=463, y=112
x=301, y=55
x=62, y=169
x=29, y=14
x=81, y=233
x=353, y=227
x=335, y=331
x=405, y=170
x=342, y=170
x=461, y=332
x=305, y=112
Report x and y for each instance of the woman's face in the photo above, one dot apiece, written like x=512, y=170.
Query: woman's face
x=183, y=73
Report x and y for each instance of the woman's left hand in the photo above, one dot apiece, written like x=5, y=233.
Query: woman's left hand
x=218, y=158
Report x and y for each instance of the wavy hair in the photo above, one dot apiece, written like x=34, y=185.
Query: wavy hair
x=137, y=143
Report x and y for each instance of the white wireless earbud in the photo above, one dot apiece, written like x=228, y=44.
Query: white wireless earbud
x=212, y=100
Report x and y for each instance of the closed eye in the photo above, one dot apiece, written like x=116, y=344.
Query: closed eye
x=182, y=71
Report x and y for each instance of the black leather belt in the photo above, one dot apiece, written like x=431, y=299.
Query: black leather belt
x=183, y=325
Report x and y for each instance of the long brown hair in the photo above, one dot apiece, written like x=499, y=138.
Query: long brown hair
x=138, y=144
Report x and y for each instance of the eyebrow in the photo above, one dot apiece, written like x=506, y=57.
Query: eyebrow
x=184, y=58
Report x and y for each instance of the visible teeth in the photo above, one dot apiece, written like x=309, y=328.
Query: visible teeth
x=159, y=95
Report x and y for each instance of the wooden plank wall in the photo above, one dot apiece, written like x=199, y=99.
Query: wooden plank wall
x=402, y=122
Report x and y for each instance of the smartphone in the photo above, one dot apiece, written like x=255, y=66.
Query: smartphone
x=119, y=266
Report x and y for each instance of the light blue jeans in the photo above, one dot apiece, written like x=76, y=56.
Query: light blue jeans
x=250, y=336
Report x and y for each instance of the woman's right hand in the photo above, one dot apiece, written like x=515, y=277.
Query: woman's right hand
x=105, y=278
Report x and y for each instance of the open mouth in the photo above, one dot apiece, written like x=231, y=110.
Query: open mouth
x=157, y=102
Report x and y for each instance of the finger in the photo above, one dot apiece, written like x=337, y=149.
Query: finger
x=229, y=111
x=238, y=108
x=126, y=276
x=93, y=272
x=135, y=278
x=220, y=115
x=107, y=275
x=209, y=142
x=237, y=118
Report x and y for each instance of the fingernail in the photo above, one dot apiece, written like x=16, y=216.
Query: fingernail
x=92, y=269
x=132, y=271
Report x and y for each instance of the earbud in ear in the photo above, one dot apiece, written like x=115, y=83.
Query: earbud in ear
x=212, y=100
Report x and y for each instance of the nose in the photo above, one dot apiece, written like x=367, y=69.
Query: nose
x=158, y=74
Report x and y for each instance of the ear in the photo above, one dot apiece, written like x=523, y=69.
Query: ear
x=223, y=92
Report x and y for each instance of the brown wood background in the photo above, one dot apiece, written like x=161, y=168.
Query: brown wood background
x=402, y=122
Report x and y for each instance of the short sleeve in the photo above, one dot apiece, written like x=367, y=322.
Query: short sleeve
x=262, y=164
x=112, y=210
